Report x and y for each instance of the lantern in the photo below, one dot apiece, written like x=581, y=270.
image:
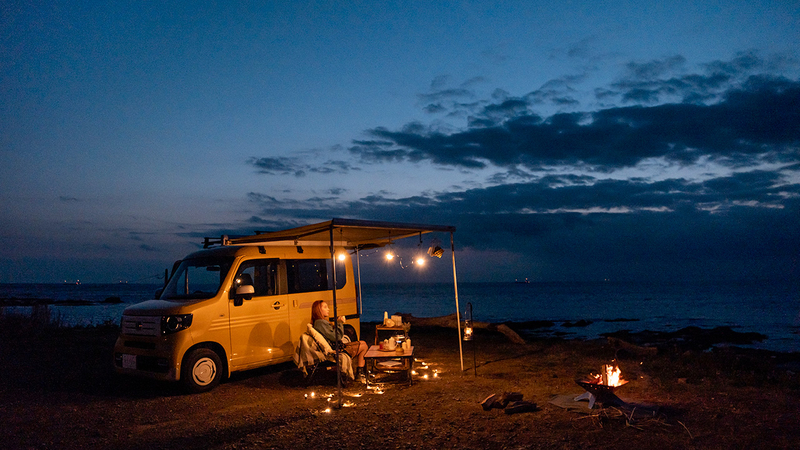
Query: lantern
x=468, y=323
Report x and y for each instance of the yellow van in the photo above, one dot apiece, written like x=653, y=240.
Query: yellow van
x=232, y=308
x=243, y=303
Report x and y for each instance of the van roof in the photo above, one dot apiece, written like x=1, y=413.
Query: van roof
x=350, y=233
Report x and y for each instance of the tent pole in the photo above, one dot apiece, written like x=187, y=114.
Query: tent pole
x=335, y=327
x=458, y=309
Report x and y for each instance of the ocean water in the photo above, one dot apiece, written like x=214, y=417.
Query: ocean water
x=772, y=309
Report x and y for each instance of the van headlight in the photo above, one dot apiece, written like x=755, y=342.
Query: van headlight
x=173, y=324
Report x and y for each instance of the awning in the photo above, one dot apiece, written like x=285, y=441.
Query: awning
x=350, y=233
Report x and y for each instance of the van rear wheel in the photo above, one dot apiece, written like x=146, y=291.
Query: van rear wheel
x=201, y=370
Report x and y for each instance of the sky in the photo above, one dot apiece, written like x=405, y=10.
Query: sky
x=566, y=141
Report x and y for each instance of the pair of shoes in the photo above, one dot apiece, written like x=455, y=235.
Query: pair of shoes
x=508, y=397
x=500, y=401
x=519, y=407
x=361, y=375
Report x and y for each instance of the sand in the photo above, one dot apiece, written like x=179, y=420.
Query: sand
x=58, y=390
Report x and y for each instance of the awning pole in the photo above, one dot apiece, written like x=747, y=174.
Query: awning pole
x=358, y=265
x=335, y=327
x=458, y=309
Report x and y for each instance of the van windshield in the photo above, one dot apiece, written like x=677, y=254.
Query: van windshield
x=197, y=278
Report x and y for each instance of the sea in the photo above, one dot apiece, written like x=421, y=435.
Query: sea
x=772, y=309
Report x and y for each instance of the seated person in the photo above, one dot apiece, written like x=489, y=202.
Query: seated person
x=320, y=318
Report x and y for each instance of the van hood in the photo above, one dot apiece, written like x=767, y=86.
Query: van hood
x=155, y=307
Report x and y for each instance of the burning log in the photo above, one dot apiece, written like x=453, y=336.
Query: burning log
x=451, y=321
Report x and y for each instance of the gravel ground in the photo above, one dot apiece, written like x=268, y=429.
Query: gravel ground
x=58, y=390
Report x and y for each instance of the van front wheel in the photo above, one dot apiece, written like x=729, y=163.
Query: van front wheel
x=201, y=370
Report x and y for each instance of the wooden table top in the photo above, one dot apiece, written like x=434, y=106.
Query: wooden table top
x=375, y=352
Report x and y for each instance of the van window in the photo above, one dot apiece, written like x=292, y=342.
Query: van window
x=197, y=278
x=261, y=273
x=310, y=275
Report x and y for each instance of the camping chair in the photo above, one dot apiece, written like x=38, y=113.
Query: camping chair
x=313, y=352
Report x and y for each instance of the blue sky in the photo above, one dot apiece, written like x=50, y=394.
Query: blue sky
x=577, y=141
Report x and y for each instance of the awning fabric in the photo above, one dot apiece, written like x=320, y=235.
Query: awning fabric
x=350, y=233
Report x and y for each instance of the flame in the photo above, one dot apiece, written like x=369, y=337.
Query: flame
x=611, y=376
x=614, y=375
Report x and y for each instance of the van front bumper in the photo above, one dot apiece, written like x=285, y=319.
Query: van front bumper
x=145, y=358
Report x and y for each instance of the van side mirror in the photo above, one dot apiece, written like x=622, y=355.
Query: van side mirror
x=244, y=292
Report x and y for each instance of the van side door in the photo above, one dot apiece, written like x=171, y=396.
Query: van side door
x=259, y=323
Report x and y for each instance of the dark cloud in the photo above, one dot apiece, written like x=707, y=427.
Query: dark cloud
x=331, y=166
x=446, y=94
x=578, y=227
x=434, y=108
x=337, y=191
x=655, y=68
x=550, y=207
x=278, y=165
x=282, y=165
x=759, y=117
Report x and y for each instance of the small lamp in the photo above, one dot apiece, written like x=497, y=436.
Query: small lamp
x=469, y=335
x=468, y=323
x=435, y=249
x=467, y=330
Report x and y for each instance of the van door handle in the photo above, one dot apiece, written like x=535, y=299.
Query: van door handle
x=277, y=305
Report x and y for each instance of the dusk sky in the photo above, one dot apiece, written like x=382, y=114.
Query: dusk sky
x=566, y=141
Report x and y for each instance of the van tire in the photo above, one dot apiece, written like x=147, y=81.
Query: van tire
x=201, y=370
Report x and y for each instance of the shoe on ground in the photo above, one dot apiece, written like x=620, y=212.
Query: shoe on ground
x=520, y=407
x=508, y=397
x=489, y=402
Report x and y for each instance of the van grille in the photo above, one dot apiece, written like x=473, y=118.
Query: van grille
x=142, y=345
x=141, y=325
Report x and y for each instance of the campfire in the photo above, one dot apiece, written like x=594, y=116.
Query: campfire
x=610, y=376
x=601, y=387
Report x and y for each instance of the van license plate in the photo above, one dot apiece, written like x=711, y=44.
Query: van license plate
x=128, y=361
